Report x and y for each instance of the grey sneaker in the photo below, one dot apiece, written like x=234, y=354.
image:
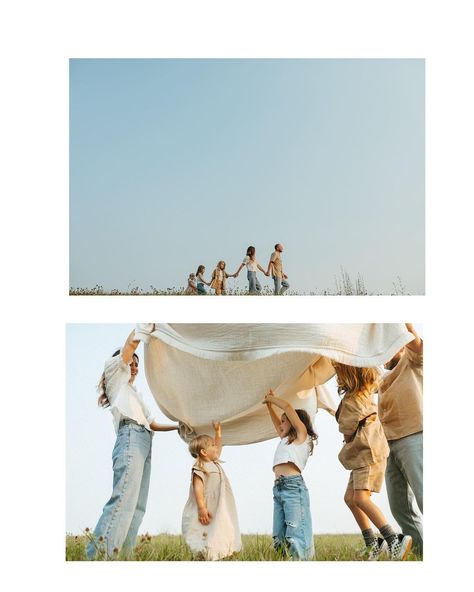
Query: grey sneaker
x=376, y=550
x=400, y=547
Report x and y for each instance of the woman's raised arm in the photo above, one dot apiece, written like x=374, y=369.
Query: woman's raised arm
x=129, y=348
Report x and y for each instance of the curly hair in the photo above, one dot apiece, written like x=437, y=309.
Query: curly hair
x=352, y=380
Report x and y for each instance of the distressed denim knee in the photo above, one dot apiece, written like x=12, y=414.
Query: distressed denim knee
x=292, y=524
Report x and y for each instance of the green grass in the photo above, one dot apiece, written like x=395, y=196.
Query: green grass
x=166, y=547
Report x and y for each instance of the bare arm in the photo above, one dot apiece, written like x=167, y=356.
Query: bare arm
x=217, y=435
x=417, y=344
x=238, y=271
x=198, y=488
x=274, y=417
x=161, y=427
x=290, y=413
x=261, y=269
x=129, y=348
x=270, y=265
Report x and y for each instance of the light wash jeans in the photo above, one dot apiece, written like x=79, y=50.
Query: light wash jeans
x=404, y=481
x=254, y=284
x=292, y=525
x=201, y=289
x=123, y=513
x=281, y=286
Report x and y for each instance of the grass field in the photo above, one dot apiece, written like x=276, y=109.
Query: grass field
x=165, y=547
x=344, y=285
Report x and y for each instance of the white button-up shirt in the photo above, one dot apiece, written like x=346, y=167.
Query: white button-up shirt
x=125, y=401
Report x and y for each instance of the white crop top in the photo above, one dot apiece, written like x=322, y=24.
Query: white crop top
x=295, y=453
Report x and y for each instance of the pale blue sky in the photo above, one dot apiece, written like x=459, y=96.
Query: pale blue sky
x=174, y=163
x=90, y=439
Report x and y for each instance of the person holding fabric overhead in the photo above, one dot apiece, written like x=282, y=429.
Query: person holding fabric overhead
x=401, y=414
x=122, y=515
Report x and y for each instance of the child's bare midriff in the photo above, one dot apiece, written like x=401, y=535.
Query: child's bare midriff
x=286, y=470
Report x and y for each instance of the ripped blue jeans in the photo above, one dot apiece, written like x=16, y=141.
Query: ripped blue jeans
x=292, y=525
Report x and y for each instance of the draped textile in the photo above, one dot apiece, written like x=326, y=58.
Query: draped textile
x=203, y=372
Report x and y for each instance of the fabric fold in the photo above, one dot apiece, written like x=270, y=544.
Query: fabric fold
x=204, y=372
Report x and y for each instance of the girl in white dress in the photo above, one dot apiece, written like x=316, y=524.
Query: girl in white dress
x=210, y=525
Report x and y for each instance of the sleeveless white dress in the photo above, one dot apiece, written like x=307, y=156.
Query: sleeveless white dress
x=221, y=537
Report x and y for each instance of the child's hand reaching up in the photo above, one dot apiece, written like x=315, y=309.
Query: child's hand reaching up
x=269, y=397
x=204, y=516
x=217, y=426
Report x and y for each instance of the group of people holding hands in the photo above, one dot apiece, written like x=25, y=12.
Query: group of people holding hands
x=197, y=282
x=381, y=440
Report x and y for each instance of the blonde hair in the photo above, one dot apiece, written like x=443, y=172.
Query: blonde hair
x=196, y=445
x=353, y=381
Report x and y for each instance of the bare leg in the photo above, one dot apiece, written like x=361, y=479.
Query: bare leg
x=361, y=498
x=360, y=516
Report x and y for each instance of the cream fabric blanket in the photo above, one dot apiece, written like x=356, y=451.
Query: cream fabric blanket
x=203, y=372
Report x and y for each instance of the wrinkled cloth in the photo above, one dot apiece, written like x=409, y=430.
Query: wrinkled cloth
x=203, y=372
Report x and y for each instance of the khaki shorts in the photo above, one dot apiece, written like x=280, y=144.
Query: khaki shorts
x=370, y=478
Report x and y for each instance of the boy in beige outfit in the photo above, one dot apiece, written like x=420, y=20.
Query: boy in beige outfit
x=401, y=414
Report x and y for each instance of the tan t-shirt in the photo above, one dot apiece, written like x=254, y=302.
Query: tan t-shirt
x=277, y=270
x=401, y=397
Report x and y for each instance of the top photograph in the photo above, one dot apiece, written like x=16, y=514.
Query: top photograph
x=236, y=177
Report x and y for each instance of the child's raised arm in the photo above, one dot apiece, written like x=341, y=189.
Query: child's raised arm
x=301, y=431
x=217, y=435
x=274, y=417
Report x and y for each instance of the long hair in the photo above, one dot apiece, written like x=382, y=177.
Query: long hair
x=200, y=269
x=195, y=447
x=219, y=265
x=305, y=418
x=354, y=381
x=251, y=252
x=103, y=399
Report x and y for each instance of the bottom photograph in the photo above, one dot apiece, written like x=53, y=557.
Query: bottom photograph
x=244, y=442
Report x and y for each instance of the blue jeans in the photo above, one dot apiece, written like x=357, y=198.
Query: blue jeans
x=292, y=525
x=123, y=513
x=201, y=289
x=404, y=481
x=281, y=286
x=254, y=284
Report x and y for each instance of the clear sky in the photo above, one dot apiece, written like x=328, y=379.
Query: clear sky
x=90, y=438
x=174, y=163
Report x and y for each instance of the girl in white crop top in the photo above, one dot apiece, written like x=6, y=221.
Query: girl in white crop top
x=292, y=526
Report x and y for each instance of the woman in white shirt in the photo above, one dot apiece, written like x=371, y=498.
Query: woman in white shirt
x=134, y=425
x=252, y=265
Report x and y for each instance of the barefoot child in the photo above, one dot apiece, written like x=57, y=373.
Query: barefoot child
x=210, y=525
x=292, y=526
x=365, y=454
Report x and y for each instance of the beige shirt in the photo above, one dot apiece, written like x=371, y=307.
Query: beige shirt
x=364, y=439
x=277, y=268
x=401, y=397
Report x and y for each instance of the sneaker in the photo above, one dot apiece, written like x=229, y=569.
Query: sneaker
x=400, y=547
x=374, y=551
